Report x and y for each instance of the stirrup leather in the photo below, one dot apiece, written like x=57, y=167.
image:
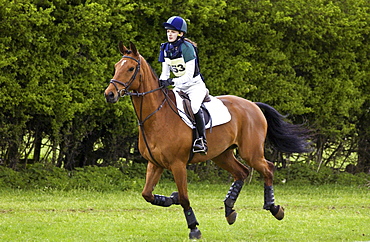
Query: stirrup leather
x=199, y=146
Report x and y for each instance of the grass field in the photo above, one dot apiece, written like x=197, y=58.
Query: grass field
x=313, y=213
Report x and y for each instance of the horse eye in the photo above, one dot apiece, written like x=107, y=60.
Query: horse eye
x=131, y=69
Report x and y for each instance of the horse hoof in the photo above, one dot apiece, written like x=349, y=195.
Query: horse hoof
x=232, y=218
x=277, y=212
x=195, y=234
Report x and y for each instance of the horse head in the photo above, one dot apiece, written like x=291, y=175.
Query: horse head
x=127, y=74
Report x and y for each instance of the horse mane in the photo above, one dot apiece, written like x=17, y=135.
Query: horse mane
x=152, y=71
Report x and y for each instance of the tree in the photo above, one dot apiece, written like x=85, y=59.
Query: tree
x=307, y=59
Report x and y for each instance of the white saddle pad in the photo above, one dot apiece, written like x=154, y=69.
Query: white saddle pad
x=218, y=111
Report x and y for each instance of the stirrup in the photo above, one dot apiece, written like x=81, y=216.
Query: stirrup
x=199, y=146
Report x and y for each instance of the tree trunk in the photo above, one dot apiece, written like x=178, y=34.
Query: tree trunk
x=363, y=130
x=37, y=144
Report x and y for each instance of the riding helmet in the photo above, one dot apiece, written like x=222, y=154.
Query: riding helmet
x=176, y=23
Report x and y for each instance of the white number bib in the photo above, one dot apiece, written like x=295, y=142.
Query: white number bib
x=177, y=66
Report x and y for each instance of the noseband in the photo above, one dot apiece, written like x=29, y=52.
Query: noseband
x=127, y=85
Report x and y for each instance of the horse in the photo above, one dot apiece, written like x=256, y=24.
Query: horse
x=165, y=141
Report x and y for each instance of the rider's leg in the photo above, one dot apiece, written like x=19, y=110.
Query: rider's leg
x=200, y=144
x=197, y=93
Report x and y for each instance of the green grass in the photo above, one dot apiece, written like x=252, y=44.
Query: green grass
x=313, y=213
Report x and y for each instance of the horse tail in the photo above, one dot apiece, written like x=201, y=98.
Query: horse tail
x=284, y=136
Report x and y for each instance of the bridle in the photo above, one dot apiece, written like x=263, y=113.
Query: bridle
x=125, y=91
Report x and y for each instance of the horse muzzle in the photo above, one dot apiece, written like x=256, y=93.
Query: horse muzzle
x=111, y=97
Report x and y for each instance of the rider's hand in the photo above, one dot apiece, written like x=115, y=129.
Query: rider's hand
x=166, y=83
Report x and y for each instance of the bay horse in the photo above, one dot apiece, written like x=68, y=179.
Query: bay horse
x=165, y=140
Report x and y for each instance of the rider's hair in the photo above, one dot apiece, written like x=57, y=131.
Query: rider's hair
x=192, y=42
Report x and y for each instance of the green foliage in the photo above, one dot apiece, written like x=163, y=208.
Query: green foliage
x=93, y=178
x=306, y=58
x=102, y=179
x=208, y=171
x=90, y=178
x=55, y=76
x=308, y=174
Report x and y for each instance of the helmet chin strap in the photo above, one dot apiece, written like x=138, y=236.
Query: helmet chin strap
x=178, y=38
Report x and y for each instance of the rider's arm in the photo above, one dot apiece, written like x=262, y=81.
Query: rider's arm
x=165, y=71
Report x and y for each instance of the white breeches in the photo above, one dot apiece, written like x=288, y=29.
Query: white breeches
x=196, y=94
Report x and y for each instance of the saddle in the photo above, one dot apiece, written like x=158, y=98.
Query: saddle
x=190, y=114
x=187, y=107
x=214, y=110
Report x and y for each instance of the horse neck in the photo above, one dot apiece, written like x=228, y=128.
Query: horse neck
x=147, y=104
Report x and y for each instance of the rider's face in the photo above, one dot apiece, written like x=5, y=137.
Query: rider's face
x=172, y=35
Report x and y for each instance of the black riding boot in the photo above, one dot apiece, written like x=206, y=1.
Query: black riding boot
x=200, y=144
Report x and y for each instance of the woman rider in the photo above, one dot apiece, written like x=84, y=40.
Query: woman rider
x=179, y=56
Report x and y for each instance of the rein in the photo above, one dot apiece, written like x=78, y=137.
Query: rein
x=124, y=92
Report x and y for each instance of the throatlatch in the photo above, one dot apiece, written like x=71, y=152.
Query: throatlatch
x=230, y=200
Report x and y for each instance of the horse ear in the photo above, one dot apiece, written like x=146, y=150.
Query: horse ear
x=133, y=49
x=122, y=48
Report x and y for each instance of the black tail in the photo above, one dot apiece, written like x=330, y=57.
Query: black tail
x=286, y=137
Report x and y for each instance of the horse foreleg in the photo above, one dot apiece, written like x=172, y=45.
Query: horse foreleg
x=180, y=175
x=153, y=174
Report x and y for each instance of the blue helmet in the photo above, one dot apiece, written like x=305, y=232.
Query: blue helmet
x=176, y=23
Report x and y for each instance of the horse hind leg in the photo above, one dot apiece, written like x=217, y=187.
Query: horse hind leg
x=269, y=198
x=276, y=210
x=240, y=172
x=266, y=169
x=230, y=200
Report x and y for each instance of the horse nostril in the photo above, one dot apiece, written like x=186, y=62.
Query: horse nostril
x=111, y=95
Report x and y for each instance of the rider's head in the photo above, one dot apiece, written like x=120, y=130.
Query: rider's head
x=175, y=26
